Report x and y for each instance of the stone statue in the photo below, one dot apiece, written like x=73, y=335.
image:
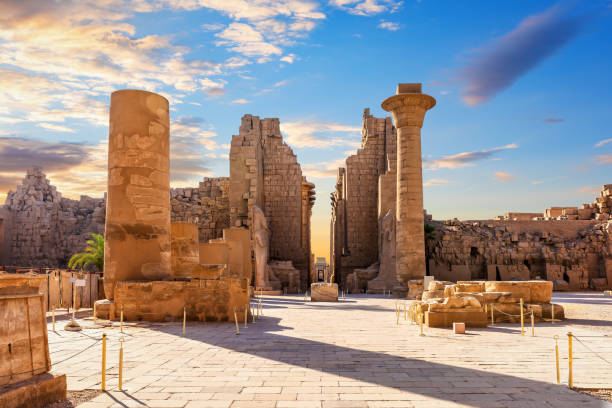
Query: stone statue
x=261, y=244
x=386, y=279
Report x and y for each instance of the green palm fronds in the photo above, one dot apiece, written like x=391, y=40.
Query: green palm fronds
x=93, y=255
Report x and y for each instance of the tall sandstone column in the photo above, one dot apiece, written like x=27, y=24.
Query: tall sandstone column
x=137, y=238
x=408, y=107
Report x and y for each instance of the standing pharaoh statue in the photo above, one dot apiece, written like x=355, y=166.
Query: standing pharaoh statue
x=261, y=244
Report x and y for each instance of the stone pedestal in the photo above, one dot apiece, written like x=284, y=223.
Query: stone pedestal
x=137, y=237
x=24, y=346
x=324, y=292
x=185, y=249
x=408, y=108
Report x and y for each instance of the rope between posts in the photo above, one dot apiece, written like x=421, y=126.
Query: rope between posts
x=507, y=314
x=589, y=349
x=59, y=362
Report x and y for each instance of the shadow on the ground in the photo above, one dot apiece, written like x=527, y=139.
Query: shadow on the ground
x=472, y=387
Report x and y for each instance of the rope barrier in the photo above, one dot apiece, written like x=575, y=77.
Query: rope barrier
x=58, y=362
x=589, y=349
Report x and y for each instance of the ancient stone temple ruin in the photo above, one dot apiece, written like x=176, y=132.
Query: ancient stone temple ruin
x=265, y=174
x=369, y=242
x=389, y=161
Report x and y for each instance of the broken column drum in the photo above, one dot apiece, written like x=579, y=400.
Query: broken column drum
x=408, y=108
x=137, y=237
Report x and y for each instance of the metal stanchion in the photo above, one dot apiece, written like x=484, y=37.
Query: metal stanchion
x=532, y=324
x=236, y=321
x=94, y=313
x=120, y=385
x=522, y=322
x=53, y=318
x=184, y=319
x=121, y=327
x=246, y=316
x=421, y=317
x=103, y=385
x=492, y=316
x=557, y=358
x=570, y=379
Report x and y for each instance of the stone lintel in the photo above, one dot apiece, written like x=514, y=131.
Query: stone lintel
x=408, y=88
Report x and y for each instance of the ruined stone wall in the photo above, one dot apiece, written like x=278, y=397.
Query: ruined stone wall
x=206, y=205
x=264, y=172
x=43, y=229
x=577, y=252
x=359, y=192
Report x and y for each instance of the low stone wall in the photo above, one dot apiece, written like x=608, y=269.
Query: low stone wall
x=204, y=300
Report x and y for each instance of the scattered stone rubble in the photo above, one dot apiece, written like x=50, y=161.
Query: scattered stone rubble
x=471, y=302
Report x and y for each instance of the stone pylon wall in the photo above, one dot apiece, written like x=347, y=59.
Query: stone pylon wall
x=357, y=189
x=264, y=172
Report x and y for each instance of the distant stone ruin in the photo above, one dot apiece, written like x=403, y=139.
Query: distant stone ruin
x=40, y=228
x=569, y=246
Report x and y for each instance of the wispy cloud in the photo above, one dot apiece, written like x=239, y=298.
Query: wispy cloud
x=553, y=120
x=589, y=190
x=240, y=101
x=503, y=177
x=56, y=128
x=435, y=182
x=603, y=142
x=323, y=170
x=535, y=182
x=465, y=158
x=389, y=25
x=317, y=134
x=603, y=159
x=500, y=63
x=367, y=7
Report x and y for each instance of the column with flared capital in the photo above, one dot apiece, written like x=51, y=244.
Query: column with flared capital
x=408, y=107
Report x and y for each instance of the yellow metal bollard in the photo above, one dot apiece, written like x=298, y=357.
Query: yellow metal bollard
x=532, y=325
x=121, y=327
x=552, y=311
x=261, y=306
x=53, y=318
x=522, y=320
x=236, y=321
x=184, y=319
x=246, y=316
x=570, y=379
x=121, y=365
x=94, y=313
x=103, y=385
x=492, y=316
x=557, y=358
x=421, y=317
x=252, y=312
x=486, y=309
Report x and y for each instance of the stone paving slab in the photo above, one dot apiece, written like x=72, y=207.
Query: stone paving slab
x=345, y=354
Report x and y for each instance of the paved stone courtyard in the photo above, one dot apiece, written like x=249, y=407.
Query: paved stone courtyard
x=345, y=354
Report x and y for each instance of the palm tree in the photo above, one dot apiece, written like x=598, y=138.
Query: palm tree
x=93, y=255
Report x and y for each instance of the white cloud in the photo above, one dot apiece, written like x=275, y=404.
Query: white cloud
x=289, y=59
x=244, y=39
x=323, y=170
x=389, y=25
x=241, y=101
x=56, y=128
x=603, y=159
x=435, y=182
x=281, y=83
x=367, y=7
x=316, y=134
x=212, y=27
x=603, y=142
x=503, y=177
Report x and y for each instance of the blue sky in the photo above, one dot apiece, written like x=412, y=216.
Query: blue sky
x=523, y=89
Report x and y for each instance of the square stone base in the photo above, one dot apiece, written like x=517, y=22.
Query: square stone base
x=35, y=392
x=446, y=319
x=324, y=292
x=211, y=300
